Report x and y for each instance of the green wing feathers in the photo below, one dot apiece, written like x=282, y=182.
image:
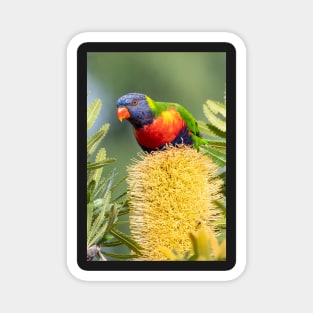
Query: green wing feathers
x=186, y=116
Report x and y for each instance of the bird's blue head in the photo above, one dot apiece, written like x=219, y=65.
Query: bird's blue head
x=135, y=108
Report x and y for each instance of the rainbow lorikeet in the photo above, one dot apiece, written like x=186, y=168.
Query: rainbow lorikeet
x=157, y=124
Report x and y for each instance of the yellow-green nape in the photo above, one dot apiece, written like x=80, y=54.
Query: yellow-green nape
x=151, y=103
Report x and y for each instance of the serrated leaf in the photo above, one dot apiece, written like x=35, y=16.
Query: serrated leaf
x=221, y=149
x=99, y=234
x=90, y=208
x=98, y=221
x=213, y=119
x=112, y=218
x=130, y=243
x=89, y=175
x=119, y=256
x=217, y=107
x=210, y=130
x=119, y=223
x=106, y=238
x=217, y=132
x=98, y=203
x=101, y=187
x=109, y=185
x=123, y=212
x=218, y=153
x=93, y=111
x=216, y=160
x=94, y=140
x=217, y=156
x=204, y=129
x=105, y=185
x=90, y=188
x=111, y=244
x=101, y=155
x=216, y=142
x=101, y=164
x=119, y=183
x=108, y=225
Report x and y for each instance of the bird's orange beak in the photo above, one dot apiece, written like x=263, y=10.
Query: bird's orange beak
x=122, y=113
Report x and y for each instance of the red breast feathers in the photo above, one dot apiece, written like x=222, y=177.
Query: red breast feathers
x=164, y=129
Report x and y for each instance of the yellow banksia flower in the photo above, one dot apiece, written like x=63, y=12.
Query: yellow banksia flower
x=171, y=194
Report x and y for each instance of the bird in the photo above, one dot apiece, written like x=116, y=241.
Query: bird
x=158, y=124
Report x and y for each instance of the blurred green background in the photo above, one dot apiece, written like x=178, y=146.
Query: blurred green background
x=187, y=78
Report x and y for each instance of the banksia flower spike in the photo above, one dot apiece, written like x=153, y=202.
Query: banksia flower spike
x=171, y=194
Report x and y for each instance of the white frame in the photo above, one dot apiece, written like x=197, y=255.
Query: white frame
x=72, y=156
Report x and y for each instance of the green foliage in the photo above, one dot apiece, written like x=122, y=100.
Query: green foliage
x=101, y=156
x=127, y=240
x=216, y=155
x=94, y=140
x=93, y=111
x=99, y=165
x=215, y=129
x=215, y=112
x=102, y=211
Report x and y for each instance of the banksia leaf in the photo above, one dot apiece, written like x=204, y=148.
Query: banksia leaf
x=92, y=112
x=171, y=193
x=216, y=143
x=204, y=129
x=100, y=164
x=217, y=156
x=128, y=241
x=214, y=120
x=98, y=222
x=217, y=107
x=94, y=140
x=101, y=155
x=216, y=131
x=90, y=189
x=90, y=208
x=119, y=256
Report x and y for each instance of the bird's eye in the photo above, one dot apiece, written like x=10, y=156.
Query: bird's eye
x=134, y=102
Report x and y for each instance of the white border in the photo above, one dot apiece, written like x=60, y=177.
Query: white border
x=72, y=156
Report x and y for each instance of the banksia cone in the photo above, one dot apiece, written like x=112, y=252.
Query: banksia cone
x=171, y=194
